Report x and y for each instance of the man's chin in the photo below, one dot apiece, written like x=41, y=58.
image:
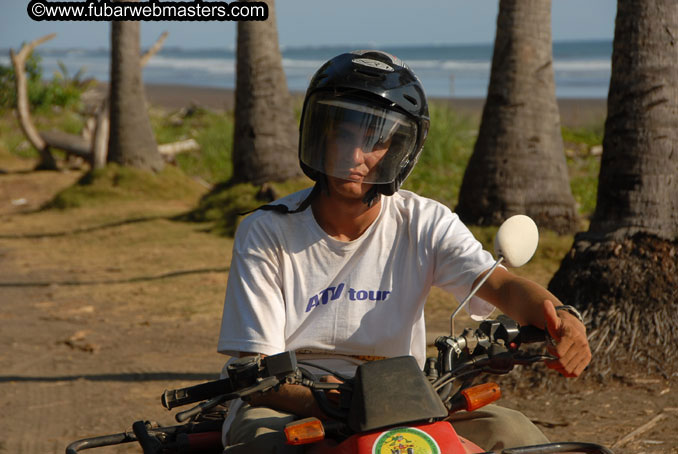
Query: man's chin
x=355, y=188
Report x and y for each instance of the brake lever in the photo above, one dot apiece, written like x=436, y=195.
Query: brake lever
x=524, y=360
x=203, y=406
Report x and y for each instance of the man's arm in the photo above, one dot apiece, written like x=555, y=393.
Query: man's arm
x=531, y=304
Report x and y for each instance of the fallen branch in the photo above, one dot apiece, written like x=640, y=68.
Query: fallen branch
x=72, y=144
x=100, y=139
x=153, y=49
x=170, y=150
x=639, y=431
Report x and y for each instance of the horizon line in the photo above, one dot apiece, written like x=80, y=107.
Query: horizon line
x=284, y=48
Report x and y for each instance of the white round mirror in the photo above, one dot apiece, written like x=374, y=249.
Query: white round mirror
x=516, y=240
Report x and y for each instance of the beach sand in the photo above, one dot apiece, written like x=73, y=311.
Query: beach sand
x=574, y=113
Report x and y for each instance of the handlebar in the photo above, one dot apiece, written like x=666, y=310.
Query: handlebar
x=493, y=347
x=97, y=442
x=264, y=385
x=247, y=375
x=146, y=434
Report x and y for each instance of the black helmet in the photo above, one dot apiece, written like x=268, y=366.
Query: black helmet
x=368, y=99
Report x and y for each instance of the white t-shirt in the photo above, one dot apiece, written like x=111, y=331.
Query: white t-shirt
x=293, y=287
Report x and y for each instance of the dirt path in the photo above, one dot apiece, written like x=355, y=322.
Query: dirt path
x=103, y=308
x=96, y=324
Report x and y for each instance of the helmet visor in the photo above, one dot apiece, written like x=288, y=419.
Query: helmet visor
x=353, y=140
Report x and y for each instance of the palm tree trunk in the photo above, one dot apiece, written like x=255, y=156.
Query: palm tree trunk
x=518, y=164
x=624, y=270
x=131, y=141
x=265, y=133
x=638, y=187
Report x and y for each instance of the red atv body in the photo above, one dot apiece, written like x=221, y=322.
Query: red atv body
x=434, y=438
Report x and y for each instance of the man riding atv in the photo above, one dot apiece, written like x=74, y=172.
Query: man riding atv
x=340, y=273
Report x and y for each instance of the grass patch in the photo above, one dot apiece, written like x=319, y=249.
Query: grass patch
x=584, y=182
x=14, y=142
x=214, y=133
x=591, y=135
x=583, y=166
x=224, y=204
x=441, y=165
x=116, y=183
x=10, y=134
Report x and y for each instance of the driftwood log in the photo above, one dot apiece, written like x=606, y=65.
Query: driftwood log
x=170, y=150
x=71, y=143
x=92, y=145
x=100, y=138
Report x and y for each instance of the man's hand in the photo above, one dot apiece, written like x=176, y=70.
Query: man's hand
x=295, y=399
x=572, y=346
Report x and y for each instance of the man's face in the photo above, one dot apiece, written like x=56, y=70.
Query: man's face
x=354, y=140
x=351, y=155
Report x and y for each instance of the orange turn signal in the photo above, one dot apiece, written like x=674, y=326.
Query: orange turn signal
x=481, y=395
x=304, y=431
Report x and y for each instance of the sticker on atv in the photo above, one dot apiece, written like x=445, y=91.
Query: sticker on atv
x=405, y=440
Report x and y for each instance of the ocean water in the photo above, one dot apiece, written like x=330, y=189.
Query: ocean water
x=582, y=68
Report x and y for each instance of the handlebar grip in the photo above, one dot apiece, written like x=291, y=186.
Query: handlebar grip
x=98, y=442
x=532, y=334
x=184, y=396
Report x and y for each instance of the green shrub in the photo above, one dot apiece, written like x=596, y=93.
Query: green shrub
x=61, y=90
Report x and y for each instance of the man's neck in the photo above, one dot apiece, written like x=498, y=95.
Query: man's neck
x=342, y=218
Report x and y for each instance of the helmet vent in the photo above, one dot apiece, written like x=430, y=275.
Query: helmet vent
x=411, y=100
x=367, y=72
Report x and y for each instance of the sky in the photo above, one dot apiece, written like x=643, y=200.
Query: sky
x=328, y=22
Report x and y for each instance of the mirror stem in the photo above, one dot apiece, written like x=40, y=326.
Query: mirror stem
x=473, y=292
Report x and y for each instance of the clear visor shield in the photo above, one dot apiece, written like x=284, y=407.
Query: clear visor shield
x=351, y=140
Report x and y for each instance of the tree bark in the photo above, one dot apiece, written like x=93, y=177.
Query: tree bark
x=638, y=187
x=624, y=269
x=131, y=141
x=265, y=136
x=518, y=164
x=102, y=129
